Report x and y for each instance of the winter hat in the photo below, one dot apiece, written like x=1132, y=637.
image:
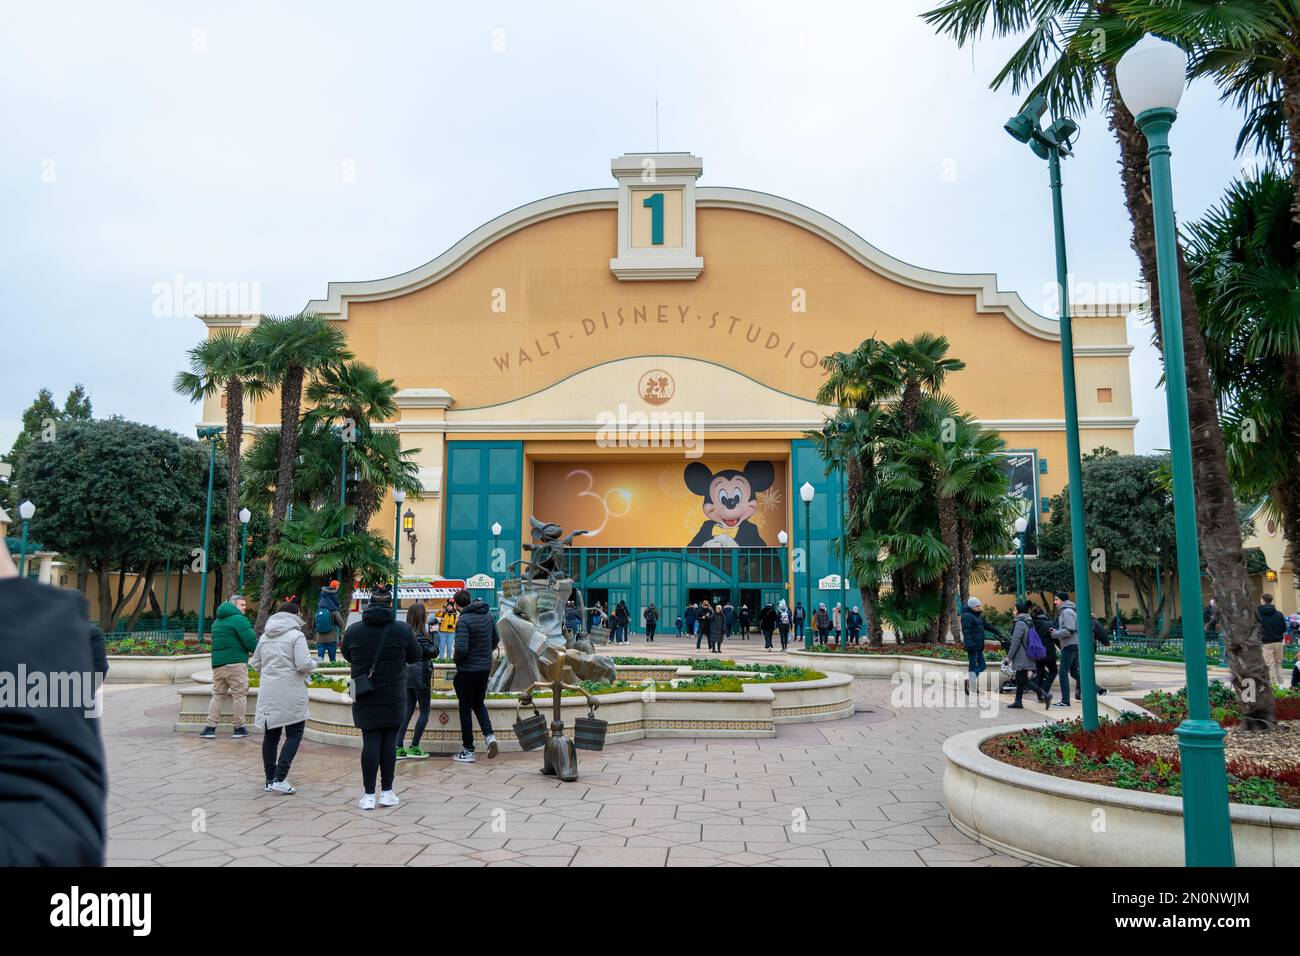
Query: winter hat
x=973, y=602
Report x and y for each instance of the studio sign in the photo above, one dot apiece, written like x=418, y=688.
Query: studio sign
x=731, y=329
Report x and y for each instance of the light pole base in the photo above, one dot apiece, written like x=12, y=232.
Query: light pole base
x=1207, y=825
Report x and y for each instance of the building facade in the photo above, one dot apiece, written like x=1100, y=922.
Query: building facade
x=641, y=362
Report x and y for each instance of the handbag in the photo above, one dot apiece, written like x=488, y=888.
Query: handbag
x=1007, y=668
x=365, y=683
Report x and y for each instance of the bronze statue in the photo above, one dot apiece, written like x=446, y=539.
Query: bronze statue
x=539, y=650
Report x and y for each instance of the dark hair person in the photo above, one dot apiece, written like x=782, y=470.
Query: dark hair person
x=379, y=647
x=476, y=639
x=419, y=681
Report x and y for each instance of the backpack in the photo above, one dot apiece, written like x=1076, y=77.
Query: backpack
x=1099, y=633
x=785, y=615
x=1034, y=644
x=324, y=620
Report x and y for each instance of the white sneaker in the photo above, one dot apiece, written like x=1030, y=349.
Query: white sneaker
x=388, y=798
x=367, y=801
x=491, y=742
x=283, y=786
x=465, y=756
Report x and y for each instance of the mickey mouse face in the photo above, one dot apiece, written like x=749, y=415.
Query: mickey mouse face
x=730, y=500
x=730, y=496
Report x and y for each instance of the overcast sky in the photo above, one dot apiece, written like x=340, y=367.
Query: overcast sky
x=286, y=145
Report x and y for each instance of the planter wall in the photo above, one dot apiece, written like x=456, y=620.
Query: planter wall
x=1112, y=674
x=632, y=715
x=1053, y=820
x=133, y=669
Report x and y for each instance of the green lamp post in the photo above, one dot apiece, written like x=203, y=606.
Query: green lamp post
x=209, y=434
x=26, y=511
x=1151, y=77
x=1051, y=144
x=245, y=516
x=398, y=497
x=844, y=545
x=806, y=493
x=1022, y=528
x=167, y=589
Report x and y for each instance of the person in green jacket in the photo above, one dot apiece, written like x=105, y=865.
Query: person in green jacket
x=233, y=640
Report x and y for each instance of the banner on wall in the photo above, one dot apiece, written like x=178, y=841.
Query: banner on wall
x=1022, y=478
x=709, y=503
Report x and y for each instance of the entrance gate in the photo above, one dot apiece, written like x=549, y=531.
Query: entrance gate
x=670, y=577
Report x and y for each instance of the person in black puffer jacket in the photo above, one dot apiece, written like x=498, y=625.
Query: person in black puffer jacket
x=476, y=639
x=379, y=713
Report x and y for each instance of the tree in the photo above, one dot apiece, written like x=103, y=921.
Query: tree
x=226, y=362
x=288, y=350
x=120, y=496
x=311, y=549
x=924, y=482
x=41, y=421
x=1069, y=55
x=1246, y=272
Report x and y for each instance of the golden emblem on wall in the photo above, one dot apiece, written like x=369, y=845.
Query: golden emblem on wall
x=656, y=387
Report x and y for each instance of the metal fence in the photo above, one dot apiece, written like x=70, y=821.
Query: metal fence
x=1171, y=647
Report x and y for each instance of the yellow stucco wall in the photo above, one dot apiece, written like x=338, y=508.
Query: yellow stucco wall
x=533, y=335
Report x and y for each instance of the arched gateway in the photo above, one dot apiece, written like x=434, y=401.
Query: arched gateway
x=642, y=362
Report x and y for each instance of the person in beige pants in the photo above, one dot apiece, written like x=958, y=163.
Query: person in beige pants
x=1272, y=626
x=233, y=640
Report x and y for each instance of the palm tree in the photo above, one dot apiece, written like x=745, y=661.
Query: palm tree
x=1069, y=56
x=311, y=549
x=1246, y=272
x=289, y=349
x=226, y=361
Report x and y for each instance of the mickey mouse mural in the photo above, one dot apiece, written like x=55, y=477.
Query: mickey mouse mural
x=730, y=499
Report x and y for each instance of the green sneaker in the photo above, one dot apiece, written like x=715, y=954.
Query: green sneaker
x=415, y=753
x=402, y=753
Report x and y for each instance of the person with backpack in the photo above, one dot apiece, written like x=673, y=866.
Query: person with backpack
x=703, y=615
x=476, y=639
x=783, y=623
x=798, y=619
x=729, y=621
x=1025, y=652
x=651, y=618
x=767, y=624
x=419, y=682
x=283, y=664
x=328, y=621
x=379, y=647
x=679, y=626
x=622, y=618
x=822, y=623
x=1066, y=633
x=688, y=619
x=1045, y=669
x=744, y=618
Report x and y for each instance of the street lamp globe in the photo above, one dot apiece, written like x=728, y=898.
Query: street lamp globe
x=399, y=495
x=806, y=492
x=1152, y=75
x=26, y=510
x=1021, y=524
x=782, y=538
x=245, y=516
x=496, y=529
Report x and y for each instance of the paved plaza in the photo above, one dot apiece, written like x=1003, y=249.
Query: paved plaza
x=861, y=791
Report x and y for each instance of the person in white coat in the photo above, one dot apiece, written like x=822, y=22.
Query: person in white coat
x=284, y=663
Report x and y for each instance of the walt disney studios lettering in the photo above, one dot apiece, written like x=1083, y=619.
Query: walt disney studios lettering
x=624, y=317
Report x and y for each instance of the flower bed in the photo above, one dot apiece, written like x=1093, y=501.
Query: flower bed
x=1141, y=753
x=1223, y=704
x=145, y=647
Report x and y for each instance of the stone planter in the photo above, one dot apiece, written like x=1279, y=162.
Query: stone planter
x=1112, y=674
x=139, y=669
x=632, y=715
x=1056, y=821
